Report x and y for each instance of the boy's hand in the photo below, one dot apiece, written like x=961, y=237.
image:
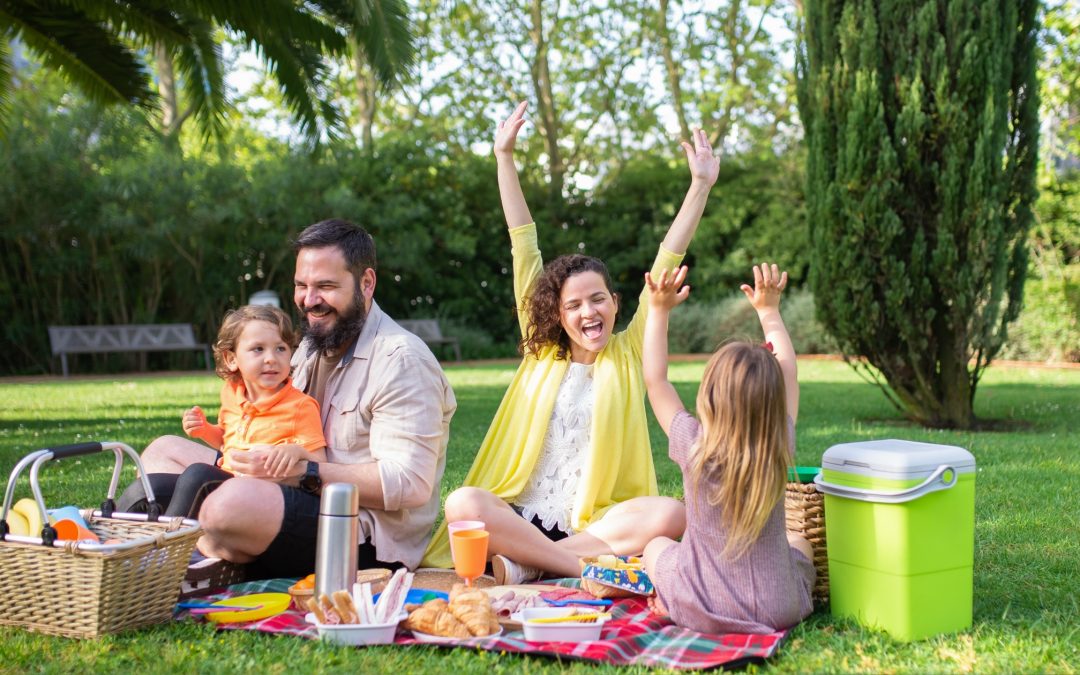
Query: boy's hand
x=279, y=460
x=769, y=283
x=663, y=295
x=194, y=422
x=506, y=136
x=704, y=166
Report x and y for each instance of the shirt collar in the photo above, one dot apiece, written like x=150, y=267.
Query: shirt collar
x=363, y=346
x=240, y=393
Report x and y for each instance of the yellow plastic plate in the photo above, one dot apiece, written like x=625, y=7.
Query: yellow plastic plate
x=272, y=604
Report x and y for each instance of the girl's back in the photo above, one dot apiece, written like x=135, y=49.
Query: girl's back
x=765, y=589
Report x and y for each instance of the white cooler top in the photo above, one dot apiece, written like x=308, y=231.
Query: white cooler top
x=896, y=459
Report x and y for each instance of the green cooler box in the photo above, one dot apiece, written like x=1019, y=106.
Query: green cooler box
x=901, y=519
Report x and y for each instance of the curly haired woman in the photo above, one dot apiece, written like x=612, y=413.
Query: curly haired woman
x=566, y=469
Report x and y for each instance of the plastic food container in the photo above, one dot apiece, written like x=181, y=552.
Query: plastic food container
x=557, y=632
x=357, y=634
x=901, y=535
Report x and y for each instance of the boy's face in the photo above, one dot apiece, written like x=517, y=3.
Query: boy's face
x=261, y=358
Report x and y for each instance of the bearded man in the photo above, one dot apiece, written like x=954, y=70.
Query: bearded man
x=386, y=408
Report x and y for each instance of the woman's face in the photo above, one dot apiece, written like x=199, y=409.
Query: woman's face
x=587, y=312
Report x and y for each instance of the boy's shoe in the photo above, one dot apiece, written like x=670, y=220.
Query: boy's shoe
x=506, y=571
x=208, y=574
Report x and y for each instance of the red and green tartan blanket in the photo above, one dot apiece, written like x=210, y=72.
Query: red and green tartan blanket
x=634, y=636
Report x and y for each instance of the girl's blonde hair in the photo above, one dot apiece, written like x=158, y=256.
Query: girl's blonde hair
x=743, y=451
x=233, y=325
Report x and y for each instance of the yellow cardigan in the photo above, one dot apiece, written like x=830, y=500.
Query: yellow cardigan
x=619, y=465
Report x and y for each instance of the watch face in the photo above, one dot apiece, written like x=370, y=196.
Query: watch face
x=310, y=481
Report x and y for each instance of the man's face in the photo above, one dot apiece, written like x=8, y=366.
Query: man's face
x=332, y=307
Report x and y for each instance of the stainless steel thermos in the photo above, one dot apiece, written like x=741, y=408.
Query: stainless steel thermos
x=338, y=545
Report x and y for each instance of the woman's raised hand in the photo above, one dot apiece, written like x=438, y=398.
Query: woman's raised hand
x=704, y=165
x=508, y=130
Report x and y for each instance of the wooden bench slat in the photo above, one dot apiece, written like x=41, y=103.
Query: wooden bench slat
x=66, y=340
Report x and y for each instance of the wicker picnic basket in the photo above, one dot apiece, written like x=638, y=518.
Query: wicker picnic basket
x=804, y=509
x=82, y=589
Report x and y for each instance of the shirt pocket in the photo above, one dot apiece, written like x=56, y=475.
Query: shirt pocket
x=350, y=429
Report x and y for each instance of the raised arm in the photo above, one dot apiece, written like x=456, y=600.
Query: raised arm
x=769, y=283
x=663, y=296
x=513, y=200
x=704, y=168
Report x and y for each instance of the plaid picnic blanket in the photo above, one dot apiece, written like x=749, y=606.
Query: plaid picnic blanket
x=634, y=636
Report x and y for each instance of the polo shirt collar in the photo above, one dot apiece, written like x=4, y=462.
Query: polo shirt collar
x=240, y=393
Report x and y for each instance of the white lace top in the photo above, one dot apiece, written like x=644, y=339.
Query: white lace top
x=550, y=491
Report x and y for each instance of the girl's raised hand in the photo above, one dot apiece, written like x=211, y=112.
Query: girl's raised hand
x=769, y=283
x=704, y=165
x=506, y=135
x=668, y=290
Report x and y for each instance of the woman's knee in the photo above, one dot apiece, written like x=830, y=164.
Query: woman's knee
x=467, y=503
x=669, y=517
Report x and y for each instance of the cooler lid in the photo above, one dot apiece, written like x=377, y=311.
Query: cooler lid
x=894, y=458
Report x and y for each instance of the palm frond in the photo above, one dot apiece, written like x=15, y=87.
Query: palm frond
x=144, y=22
x=283, y=20
x=296, y=68
x=86, y=53
x=7, y=81
x=202, y=79
x=383, y=32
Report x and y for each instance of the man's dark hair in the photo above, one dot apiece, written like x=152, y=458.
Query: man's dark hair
x=353, y=241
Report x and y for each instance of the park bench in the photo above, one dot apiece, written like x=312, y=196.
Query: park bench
x=428, y=330
x=133, y=338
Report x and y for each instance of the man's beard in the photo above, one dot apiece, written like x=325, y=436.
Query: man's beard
x=345, y=329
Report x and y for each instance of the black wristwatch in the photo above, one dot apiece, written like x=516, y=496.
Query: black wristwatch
x=310, y=482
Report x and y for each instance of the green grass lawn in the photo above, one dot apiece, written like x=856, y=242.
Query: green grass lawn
x=1027, y=519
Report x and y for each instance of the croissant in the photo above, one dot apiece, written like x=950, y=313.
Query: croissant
x=435, y=618
x=479, y=618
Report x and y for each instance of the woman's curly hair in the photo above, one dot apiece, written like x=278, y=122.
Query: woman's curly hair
x=542, y=307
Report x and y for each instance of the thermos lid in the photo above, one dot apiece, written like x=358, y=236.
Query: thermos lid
x=340, y=499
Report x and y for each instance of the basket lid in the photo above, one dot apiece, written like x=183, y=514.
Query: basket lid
x=892, y=458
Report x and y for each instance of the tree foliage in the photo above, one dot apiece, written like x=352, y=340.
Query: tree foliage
x=98, y=47
x=922, y=128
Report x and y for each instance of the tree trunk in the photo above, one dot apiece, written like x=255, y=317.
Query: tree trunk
x=171, y=117
x=672, y=68
x=366, y=102
x=545, y=103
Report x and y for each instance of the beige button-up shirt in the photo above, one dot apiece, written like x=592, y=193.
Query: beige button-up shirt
x=388, y=401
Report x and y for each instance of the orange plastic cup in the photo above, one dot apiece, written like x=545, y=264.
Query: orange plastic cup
x=69, y=530
x=469, y=548
x=459, y=525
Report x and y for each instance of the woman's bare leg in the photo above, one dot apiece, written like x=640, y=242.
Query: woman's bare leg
x=624, y=530
x=652, y=553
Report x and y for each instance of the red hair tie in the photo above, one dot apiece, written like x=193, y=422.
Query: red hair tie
x=768, y=345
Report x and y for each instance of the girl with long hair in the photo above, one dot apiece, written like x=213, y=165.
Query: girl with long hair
x=736, y=569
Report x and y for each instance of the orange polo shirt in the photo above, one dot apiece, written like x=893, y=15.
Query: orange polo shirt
x=289, y=416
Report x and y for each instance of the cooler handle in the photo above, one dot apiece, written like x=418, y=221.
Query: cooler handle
x=933, y=483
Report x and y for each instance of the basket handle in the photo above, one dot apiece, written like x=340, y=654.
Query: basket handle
x=39, y=457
